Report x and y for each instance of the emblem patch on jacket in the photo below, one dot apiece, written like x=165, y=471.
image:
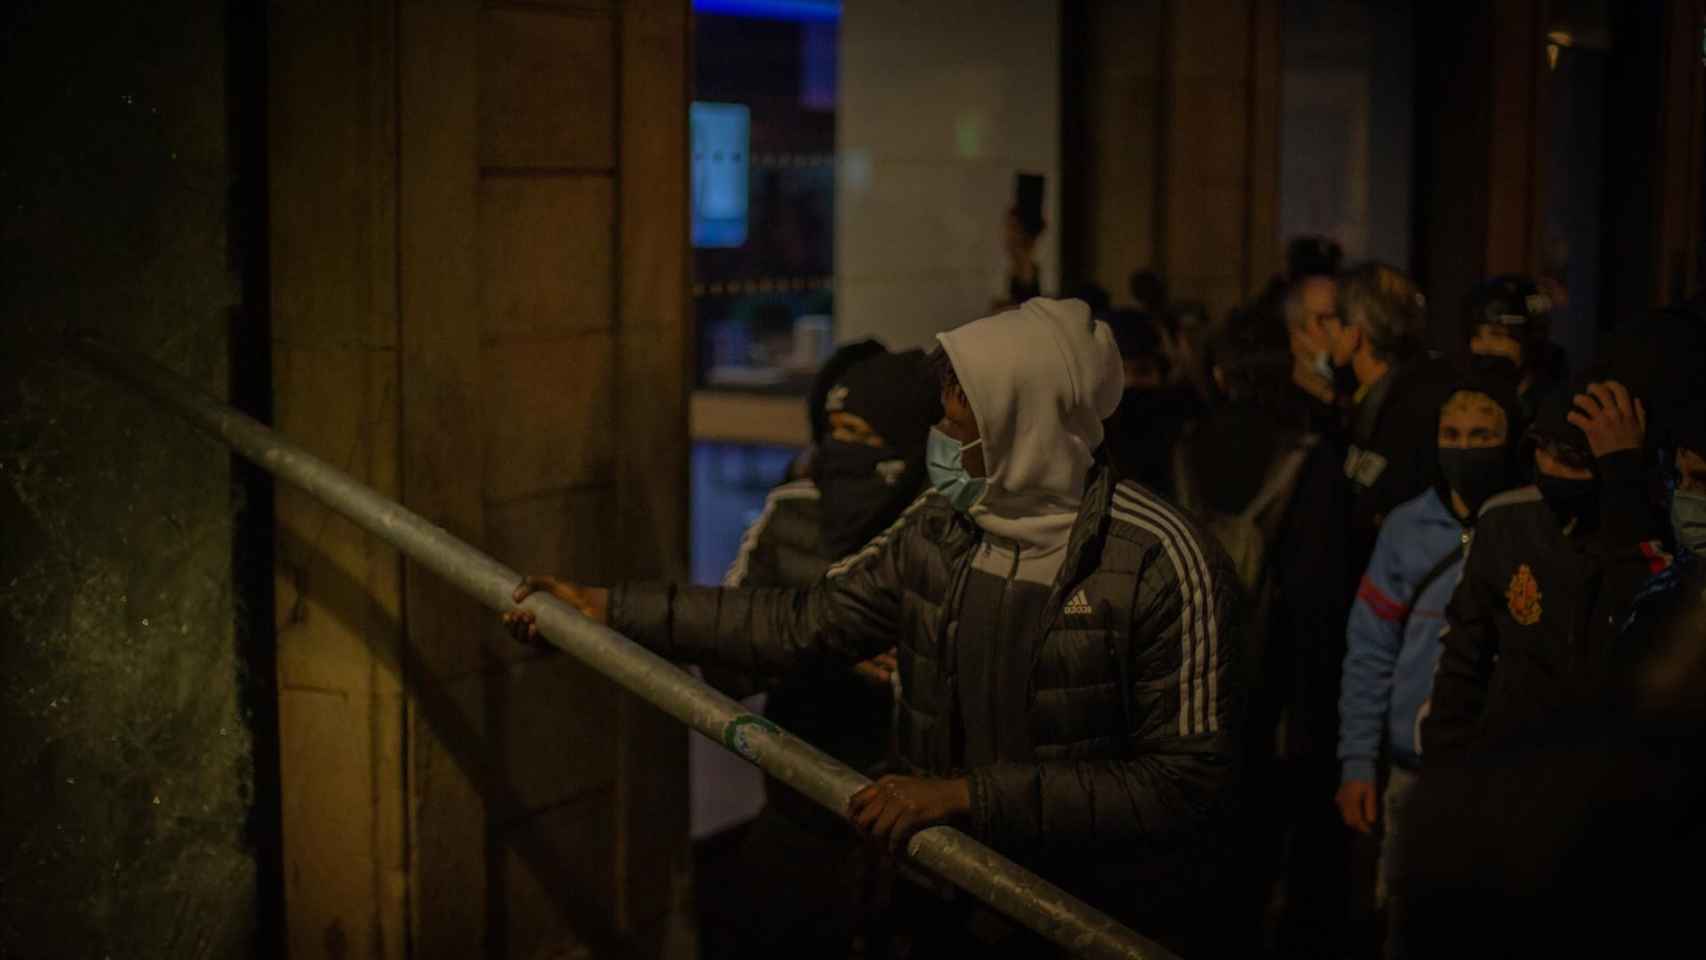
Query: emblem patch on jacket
x=1523, y=597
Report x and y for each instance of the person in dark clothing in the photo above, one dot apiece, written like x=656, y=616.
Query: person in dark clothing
x=872, y=411
x=1393, y=635
x=1239, y=472
x=817, y=397
x=1366, y=328
x=1068, y=643
x=1552, y=572
x=1020, y=234
x=1153, y=411
x=1148, y=291
x=1377, y=338
x=1507, y=327
x=1569, y=837
x=1312, y=255
x=1307, y=304
x=1297, y=853
x=1575, y=839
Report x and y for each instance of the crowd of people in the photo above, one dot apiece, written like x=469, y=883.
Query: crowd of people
x=1282, y=634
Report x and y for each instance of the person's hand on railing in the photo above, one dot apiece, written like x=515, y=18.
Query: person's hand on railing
x=894, y=808
x=592, y=602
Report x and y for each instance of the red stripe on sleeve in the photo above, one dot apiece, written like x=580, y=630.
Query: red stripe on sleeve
x=1657, y=559
x=1383, y=606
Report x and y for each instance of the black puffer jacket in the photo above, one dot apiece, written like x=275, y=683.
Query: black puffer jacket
x=784, y=545
x=1133, y=698
x=834, y=709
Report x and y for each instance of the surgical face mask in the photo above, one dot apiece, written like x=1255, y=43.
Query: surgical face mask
x=1688, y=517
x=1322, y=365
x=1344, y=375
x=943, y=458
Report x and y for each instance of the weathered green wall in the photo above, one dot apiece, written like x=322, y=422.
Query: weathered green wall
x=126, y=765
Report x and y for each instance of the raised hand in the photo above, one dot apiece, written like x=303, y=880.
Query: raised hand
x=1612, y=420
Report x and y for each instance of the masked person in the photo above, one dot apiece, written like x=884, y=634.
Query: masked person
x=1567, y=838
x=1393, y=637
x=1508, y=324
x=871, y=413
x=1376, y=345
x=1309, y=302
x=1535, y=619
x=1067, y=644
x=1368, y=325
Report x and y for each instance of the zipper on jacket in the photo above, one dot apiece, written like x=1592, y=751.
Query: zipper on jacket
x=948, y=720
x=996, y=657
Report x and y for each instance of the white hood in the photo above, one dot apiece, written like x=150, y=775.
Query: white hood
x=1040, y=380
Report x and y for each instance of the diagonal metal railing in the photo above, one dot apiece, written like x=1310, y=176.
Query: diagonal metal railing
x=944, y=851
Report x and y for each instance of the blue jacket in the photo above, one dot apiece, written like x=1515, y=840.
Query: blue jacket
x=1388, y=678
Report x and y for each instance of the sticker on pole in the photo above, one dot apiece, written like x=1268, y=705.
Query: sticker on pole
x=738, y=734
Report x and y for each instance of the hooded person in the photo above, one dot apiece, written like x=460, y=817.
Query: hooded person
x=1507, y=328
x=875, y=409
x=870, y=464
x=1393, y=635
x=1555, y=569
x=1529, y=827
x=1066, y=642
x=870, y=413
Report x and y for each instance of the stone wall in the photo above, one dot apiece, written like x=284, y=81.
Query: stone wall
x=126, y=761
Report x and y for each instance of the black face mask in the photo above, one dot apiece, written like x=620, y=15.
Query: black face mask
x=863, y=490
x=1345, y=383
x=1570, y=499
x=1476, y=475
x=1492, y=365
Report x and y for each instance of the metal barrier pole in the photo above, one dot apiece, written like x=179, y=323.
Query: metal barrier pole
x=947, y=852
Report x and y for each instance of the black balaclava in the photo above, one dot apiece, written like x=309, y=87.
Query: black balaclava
x=844, y=357
x=1569, y=499
x=863, y=487
x=1478, y=475
x=1514, y=303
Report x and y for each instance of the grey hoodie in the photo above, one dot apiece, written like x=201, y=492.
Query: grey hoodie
x=1040, y=380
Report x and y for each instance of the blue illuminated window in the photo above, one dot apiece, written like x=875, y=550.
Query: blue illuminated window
x=721, y=136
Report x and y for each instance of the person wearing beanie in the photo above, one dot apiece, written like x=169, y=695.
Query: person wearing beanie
x=1507, y=328
x=870, y=413
x=1545, y=586
x=1393, y=637
x=1529, y=823
x=1067, y=643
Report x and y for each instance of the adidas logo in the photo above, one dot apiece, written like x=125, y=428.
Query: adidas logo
x=1079, y=605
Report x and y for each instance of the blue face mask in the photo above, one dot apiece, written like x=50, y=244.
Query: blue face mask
x=942, y=457
x=1688, y=516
